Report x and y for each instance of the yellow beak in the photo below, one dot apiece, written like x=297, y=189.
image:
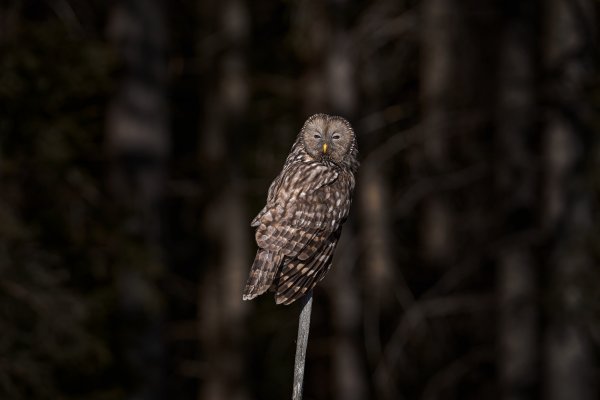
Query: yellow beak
x=324, y=148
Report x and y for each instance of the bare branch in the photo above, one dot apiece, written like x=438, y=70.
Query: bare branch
x=301, y=343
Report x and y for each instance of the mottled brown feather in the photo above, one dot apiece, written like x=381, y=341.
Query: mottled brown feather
x=262, y=273
x=305, y=275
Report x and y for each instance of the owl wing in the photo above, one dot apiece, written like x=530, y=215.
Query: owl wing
x=309, y=204
x=298, y=277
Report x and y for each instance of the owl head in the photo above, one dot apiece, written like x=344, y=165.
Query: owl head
x=327, y=137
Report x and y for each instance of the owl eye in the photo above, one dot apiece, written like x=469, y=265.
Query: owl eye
x=335, y=137
x=317, y=136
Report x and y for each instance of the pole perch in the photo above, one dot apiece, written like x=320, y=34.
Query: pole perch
x=301, y=343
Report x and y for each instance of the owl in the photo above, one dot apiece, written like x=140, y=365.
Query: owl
x=307, y=204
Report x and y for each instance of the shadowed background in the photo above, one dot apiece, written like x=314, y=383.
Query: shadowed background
x=138, y=139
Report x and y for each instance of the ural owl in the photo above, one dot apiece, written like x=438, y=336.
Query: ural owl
x=307, y=204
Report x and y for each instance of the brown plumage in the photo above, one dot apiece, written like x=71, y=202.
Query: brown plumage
x=308, y=202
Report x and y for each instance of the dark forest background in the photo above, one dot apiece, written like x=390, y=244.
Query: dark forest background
x=138, y=139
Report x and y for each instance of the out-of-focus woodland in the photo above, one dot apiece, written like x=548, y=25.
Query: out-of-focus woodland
x=138, y=139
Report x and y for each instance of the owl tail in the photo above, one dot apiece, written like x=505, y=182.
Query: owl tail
x=262, y=273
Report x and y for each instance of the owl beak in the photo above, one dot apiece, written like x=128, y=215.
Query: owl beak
x=324, y=148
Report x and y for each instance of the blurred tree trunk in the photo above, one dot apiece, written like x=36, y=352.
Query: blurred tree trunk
x=383, y=279
x=381, y=283
x=440, y=35
x=515, y=177
x=568, y=211
x=311, y=26
x=454, y=212
x=9, y=19
x=457, y=86
x=137, y=144
x=220, y=305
